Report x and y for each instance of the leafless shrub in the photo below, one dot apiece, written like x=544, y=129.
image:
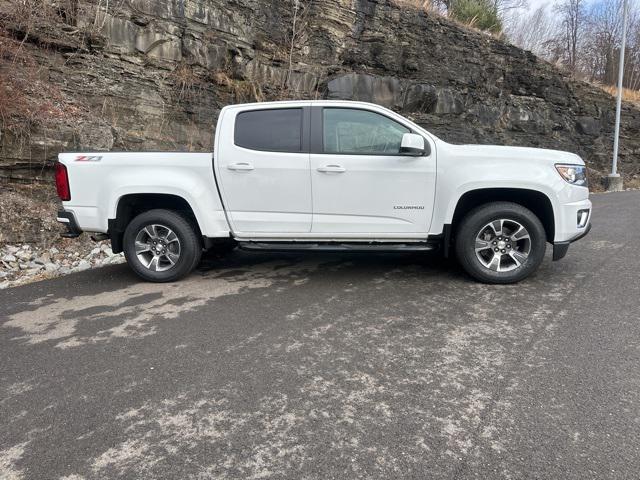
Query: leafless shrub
x=242, y=90
x=26, y=97
x=185, y=80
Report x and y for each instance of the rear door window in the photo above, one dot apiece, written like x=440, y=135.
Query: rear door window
x=270, y=130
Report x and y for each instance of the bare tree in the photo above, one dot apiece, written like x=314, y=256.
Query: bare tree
x=602, y=35
x=633, y=78
x=299, y=13
x=534, y=32
x=583, y=36
x=503, y=6
x=572, y=14
x=600, y=55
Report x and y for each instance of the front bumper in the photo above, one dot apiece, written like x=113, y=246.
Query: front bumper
x=572, y=221
x=560, y=249
x=69, y=220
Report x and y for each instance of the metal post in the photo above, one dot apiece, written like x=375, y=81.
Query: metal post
x=614, y=182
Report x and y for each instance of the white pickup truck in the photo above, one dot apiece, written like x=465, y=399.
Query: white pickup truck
x=325, y=175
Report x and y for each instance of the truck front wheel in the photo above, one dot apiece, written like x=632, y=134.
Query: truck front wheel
x=161, y=246
x=500, y=242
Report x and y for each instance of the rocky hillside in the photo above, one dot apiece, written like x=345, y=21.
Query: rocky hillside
x=153, y=75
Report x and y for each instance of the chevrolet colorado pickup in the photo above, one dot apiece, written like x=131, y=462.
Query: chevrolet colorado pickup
x=327, y=175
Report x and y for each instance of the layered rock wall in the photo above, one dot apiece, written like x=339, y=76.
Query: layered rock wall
x=154, y=74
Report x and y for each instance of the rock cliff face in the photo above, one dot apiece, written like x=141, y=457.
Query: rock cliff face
x=153, y=75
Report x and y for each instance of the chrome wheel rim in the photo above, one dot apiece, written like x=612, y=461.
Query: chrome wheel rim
x=157, y=248
x=503, y=245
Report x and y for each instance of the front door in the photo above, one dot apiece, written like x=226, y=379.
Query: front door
x=263, y=171
x=361, y=185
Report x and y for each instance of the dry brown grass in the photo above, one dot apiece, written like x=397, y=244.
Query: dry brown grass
x=627, y=94
x=633, y=182
x=186, y=80
x=425, y=5
x=242, y=90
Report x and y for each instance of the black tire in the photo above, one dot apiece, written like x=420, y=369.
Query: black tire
x=190, y=245
x=473, y=225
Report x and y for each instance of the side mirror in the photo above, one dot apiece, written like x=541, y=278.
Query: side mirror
x=413, y=145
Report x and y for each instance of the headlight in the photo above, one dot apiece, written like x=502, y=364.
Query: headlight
x=573, y=174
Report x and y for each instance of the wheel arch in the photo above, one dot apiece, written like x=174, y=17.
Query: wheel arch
x=130, y=205
x=538, y=202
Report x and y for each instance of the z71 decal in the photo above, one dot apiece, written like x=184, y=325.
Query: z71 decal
x=88, y=158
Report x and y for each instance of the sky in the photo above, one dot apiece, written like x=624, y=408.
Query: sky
x=534, y=4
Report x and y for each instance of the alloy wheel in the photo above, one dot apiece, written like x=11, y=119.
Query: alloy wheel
x=157, y=247
x=503, y=245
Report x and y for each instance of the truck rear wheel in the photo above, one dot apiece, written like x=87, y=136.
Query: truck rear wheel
x=500, y=242
x=161, y=246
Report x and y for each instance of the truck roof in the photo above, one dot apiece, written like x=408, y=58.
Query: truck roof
x=284, y=103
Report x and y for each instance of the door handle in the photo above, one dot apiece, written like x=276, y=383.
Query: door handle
x=332, y=169
x=240, y=166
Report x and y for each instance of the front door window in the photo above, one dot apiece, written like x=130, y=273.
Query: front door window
x=359, y=132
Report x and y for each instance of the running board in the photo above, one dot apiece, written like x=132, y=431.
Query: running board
x=338, y=247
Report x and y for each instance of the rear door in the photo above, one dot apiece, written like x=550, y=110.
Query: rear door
x=362, y=186
x=263, y=169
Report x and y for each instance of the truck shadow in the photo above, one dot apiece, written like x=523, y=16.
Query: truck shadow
x=240, y=261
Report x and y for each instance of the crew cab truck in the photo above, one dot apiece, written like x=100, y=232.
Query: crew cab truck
x=328, y=175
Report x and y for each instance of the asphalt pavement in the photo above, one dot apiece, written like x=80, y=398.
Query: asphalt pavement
x=316, y=366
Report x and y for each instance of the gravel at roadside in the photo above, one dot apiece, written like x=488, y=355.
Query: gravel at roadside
x=31, y=248
x=24, y=263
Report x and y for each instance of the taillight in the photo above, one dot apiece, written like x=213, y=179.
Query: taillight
x=62, y=182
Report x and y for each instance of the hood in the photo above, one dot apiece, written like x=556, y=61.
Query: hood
x=495, y=152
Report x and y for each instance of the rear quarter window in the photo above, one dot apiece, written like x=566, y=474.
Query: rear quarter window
x=270, y=130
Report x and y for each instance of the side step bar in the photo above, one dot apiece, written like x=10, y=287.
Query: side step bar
x=338, y=247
